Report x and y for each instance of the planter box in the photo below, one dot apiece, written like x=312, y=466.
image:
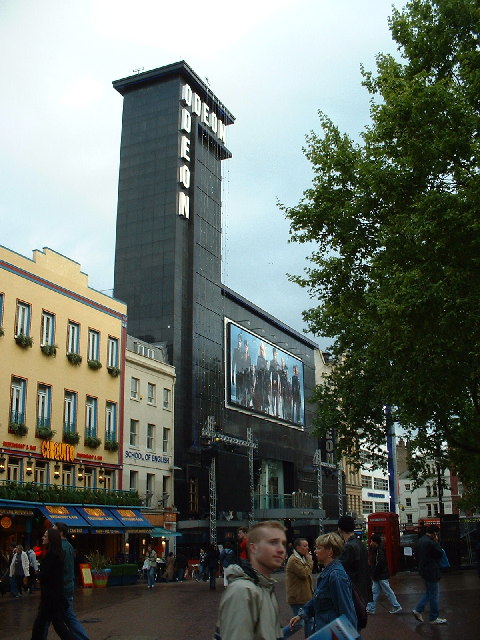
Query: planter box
x=123, y=574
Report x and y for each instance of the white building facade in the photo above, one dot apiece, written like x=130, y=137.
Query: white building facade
x=148, y=437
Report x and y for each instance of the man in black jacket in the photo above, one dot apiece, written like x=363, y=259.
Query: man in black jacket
x=379, y=571
x=355, y=558
x=429, y=553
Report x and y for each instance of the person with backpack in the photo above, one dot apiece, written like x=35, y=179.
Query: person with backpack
x=249, y=608
x=227, y=557
x=33, y=566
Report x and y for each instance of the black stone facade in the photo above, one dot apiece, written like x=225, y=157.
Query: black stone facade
x=168, y=270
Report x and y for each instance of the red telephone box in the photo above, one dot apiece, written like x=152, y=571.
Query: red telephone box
x=386, y=524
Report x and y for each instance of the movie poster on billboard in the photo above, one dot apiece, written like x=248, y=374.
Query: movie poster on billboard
x=263, y=378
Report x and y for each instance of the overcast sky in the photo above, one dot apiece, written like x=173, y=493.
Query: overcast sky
x=274, y=64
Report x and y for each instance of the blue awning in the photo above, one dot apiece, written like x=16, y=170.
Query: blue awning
x=101, y=518
x=160, y=532
x=60, y=513
x=132, y=520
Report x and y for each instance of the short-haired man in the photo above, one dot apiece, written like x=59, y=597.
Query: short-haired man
x=299, y=584
x=380, y=574
x=71, y=619
x=429, y=553
x=249, y=608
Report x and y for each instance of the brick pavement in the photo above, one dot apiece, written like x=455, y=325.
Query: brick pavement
x=188, y=611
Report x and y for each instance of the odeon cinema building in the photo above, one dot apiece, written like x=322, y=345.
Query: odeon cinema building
x=242, y=375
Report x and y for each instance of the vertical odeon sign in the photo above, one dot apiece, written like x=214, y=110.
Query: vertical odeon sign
x=192, y=105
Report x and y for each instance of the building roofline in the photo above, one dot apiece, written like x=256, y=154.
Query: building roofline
x=125, y=85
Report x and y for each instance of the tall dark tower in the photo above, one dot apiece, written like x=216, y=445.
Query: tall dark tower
x=234, y=362
x=168, y=244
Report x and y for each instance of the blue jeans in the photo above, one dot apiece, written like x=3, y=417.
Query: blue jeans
x=377, y=587
x=72, y=622
x=431, y=596
x=151, y=576
x=308, y=623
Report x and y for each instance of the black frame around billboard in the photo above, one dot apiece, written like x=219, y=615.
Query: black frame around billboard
x=262, y=378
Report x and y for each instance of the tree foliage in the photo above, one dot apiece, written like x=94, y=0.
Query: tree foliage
x=395, y=219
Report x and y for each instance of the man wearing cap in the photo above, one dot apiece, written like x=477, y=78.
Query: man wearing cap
x=429, y=553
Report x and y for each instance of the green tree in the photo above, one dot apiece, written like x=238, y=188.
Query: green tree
x=396, y=223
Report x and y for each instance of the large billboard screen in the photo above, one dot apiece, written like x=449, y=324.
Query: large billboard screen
x=262, y=378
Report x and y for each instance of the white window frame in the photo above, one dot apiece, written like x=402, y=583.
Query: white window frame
x=67, y=475
x=93, y=344
x=133, y=436
x=44, y=394
x=166, y=398
x=112, y=356
x=91, y=417
x=88, y=478
x=18, y=400
x=165, y=439
x=40, y=473
x=134, y=388
x=367, y=506
x=133, y=480
x=70, y=412
x=73, y=337
x=13, y=470
x=48, y=329
x=22, y=320
x=150, y=443
x=110, y=421
x=151, y=393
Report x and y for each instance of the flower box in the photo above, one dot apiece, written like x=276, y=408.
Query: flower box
x=18, y=429
x=92, y=442
x=24, y=341
x=113, y=371
x=74, y=358
x=71, y=437
x=45, y=433
x=94, y=364
x=111, y=445
x=49, y=349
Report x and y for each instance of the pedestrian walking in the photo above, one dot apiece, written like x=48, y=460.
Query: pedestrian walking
x=53, y=603
x=151, y=564
x=213, y=556
x=249, y=608
x=354, y=559
x=202, y=566
x=170, y=567
x=429, y=553
x=333, y=594
x=299, y=584
x=242, y=543
x=33, y=567
x=380, y=575
x=19, y=571
x=68, y=551
x=227, y=557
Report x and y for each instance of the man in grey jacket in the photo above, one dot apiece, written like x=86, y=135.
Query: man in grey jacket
x=249, y=608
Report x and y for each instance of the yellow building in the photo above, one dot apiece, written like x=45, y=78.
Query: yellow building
x=61, y=392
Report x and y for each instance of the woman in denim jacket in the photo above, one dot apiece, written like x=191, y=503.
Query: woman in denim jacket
x=333, y=595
